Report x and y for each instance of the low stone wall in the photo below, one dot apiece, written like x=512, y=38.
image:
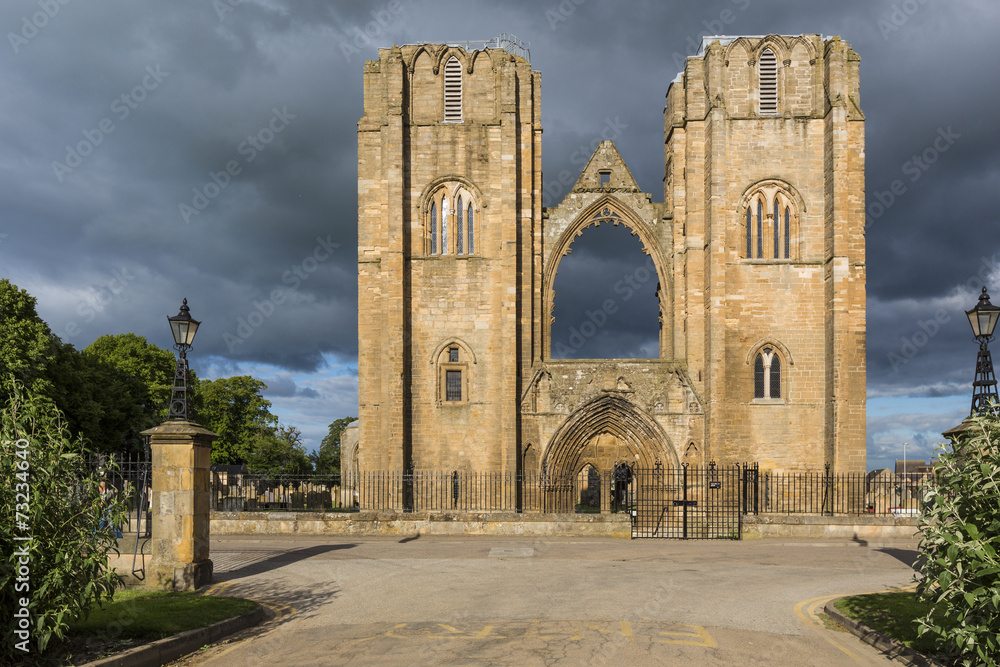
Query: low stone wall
x=809, y=526
x=792, y=526
x=420, y=523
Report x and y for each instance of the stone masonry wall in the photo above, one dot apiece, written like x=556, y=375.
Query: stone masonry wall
x=488, y=313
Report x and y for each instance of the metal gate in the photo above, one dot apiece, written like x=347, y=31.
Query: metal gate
x=689, y=502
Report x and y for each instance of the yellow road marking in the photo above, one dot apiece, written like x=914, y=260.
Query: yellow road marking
x=700, y=637
x=280, y=609
x=693, y=635
x=808, y=612
x=217, y=589
x=392, y=634
x=813, y=623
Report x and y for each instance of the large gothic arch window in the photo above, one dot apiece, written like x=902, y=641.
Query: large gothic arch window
x=606, y=301
x=450, y=220
x=768, y=223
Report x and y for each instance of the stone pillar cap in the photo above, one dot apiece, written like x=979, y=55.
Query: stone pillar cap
x=177, y=428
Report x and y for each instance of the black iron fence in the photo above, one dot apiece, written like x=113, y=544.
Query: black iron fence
x=753, y=491
x=806, y=492
x=245, y=492
x=127, y=476
x=398, y=491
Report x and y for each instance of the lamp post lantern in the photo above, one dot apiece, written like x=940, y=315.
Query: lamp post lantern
x=983, y=318
x=183, y=327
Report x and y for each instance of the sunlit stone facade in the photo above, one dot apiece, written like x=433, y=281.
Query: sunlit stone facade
x=758, y=247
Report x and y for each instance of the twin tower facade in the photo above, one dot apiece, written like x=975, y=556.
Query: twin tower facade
x=758, y=246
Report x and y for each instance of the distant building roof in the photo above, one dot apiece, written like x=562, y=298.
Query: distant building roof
x=912, y=465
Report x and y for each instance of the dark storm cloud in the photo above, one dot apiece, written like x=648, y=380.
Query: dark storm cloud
x=285, y=386
x=186, y=88
x=196, y=149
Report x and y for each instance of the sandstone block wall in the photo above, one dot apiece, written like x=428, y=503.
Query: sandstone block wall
x=427, y=307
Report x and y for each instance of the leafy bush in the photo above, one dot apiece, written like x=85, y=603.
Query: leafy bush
x=960, y=537
x=51, y=497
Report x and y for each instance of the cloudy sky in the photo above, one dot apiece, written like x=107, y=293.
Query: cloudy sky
x=151, y=151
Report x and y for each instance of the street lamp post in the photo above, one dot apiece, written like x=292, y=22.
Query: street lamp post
x=181, y=455
x=983, y=318
x=183, y=327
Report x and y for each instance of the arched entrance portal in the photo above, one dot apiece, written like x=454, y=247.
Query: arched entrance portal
x=602, y=433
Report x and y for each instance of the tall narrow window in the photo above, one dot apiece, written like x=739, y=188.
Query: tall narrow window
x=775, y=379
x=453, y=386
x=444, y=225
x=777, y=227
x=458, y=226
x=434, y=224
x=453, y=375
x=472, y=246
x=768, y=80
x=767, y=374
x=759, y=377
x=788, y=234
x=453, y=91
x=749, y=233
x=450, y=208
x=760, y=229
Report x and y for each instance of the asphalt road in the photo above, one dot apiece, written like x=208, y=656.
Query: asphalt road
x=488, y=601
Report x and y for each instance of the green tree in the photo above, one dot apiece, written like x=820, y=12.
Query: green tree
x=62, y=570
x=235, y=409
x=326, y=461
x=960, y=541
x=94, y=401
x=279, y=452
x=27, y=347
x=133, y=359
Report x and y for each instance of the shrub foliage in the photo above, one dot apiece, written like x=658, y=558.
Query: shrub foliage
x=50, y=497
x=960, y=537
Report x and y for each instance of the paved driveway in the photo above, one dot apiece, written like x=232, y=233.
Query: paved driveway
x=489, y=601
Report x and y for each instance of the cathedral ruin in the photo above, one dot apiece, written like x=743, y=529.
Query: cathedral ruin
x=758, y=246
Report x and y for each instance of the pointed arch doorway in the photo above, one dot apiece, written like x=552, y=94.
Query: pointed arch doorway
x=601, y=434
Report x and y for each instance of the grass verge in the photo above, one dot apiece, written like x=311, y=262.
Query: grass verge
x=137, y=617
x=892, y=614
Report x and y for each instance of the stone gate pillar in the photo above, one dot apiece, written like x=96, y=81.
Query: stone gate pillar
x=182, y=458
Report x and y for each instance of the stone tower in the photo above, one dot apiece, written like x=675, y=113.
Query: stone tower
x=449, y=214
x=757, y=247
x=768, y=132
